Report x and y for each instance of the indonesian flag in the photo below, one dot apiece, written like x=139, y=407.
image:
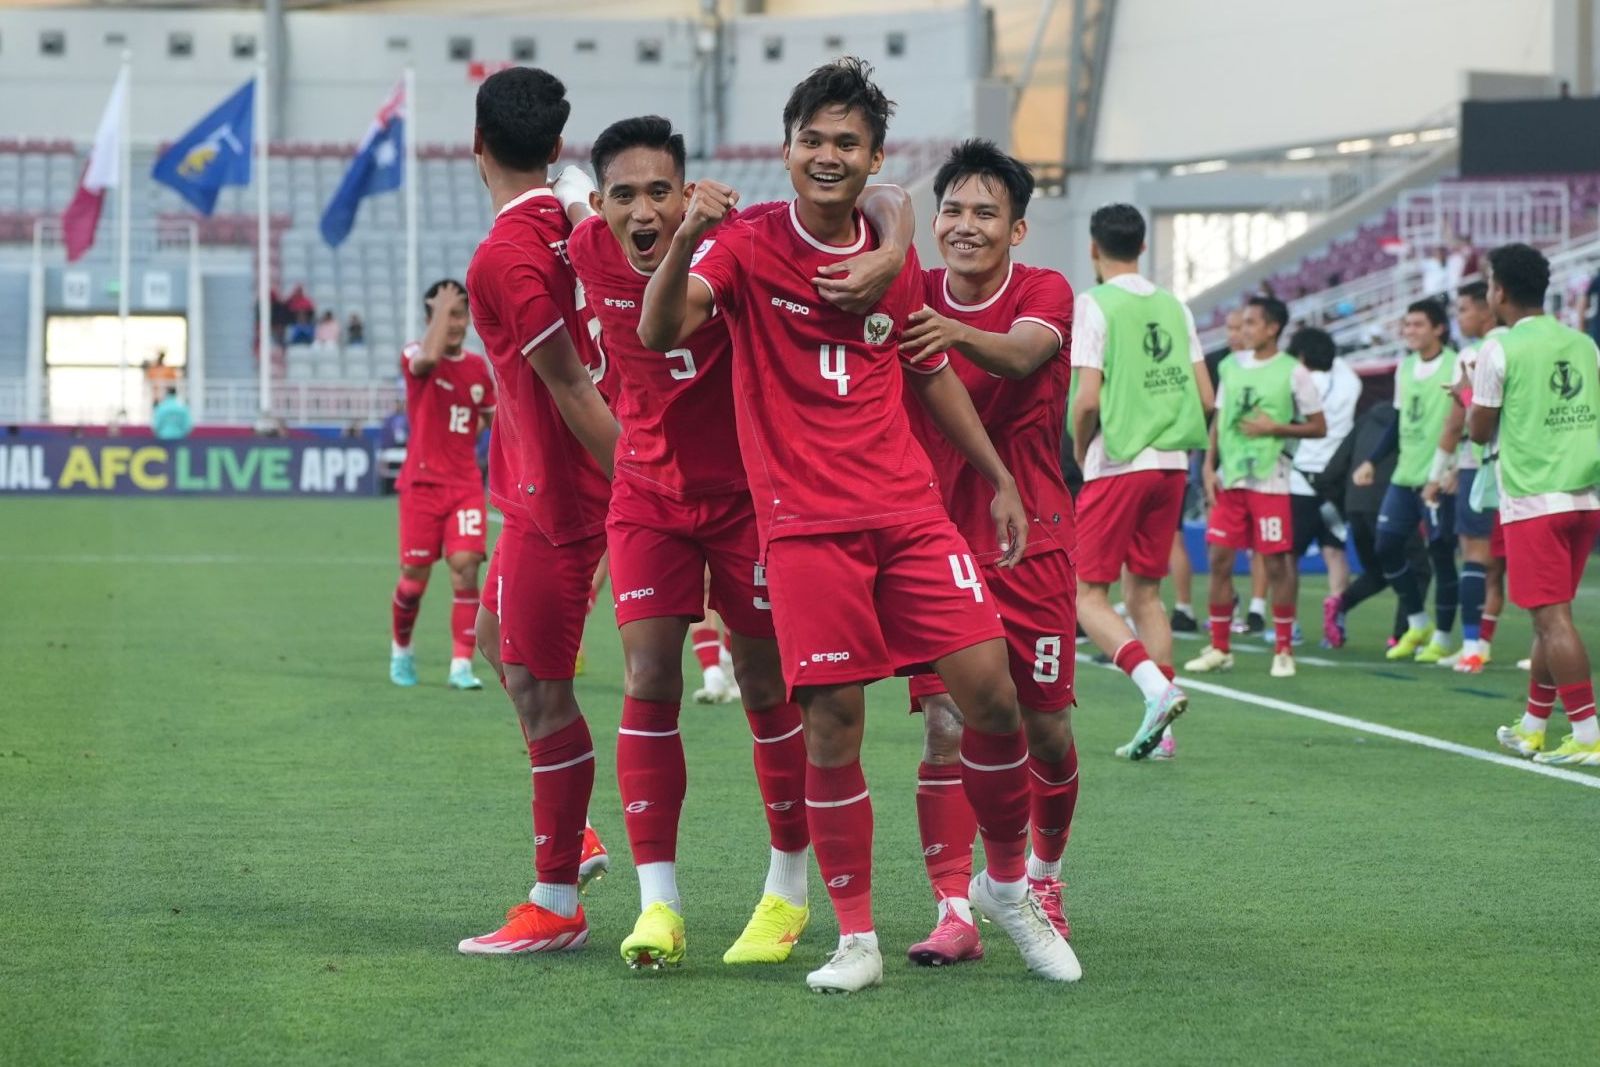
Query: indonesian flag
x=103, y=171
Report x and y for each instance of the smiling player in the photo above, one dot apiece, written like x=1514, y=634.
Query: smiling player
x=867, y=574
x=1004, y=327
x=680, y=506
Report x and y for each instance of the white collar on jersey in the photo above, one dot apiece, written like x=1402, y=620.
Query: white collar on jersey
x=543, y=190
x=838, y=250
x=998, y=293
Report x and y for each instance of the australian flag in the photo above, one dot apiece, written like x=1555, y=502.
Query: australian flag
x=214, y=153
x=378, y=168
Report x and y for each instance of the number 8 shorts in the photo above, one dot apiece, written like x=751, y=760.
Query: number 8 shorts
x=1038, y=602
x=861, y=605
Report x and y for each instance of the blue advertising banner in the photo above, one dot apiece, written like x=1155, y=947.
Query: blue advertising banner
x=223, y=466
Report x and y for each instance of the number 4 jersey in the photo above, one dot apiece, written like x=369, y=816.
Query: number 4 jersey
x=825, y=439
x=444, y=408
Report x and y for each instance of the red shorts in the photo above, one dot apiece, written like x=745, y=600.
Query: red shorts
x=1497, y=537
x=1545, y=557
x=1127, y=520
x=1038, y=602
x=540, y=593
x=1246, y=519
x=440, y=520
x=862, y=605
x=662, y=547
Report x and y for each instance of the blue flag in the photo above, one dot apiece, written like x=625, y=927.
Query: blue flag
x=214, y=153
x=378, y=167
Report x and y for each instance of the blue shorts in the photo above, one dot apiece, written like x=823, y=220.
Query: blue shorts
x=1471, y=522
x=1403, y=511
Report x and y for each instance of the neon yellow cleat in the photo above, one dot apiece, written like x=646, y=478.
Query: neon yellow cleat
x=1572, y=753
x=1432, y=652
x=1516, y=740
x=1410, y=641
x=657, y=939
x=770, y=934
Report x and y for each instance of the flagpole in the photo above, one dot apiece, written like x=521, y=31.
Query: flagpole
x=263, y=236
x=411, y=133
x=124, y=228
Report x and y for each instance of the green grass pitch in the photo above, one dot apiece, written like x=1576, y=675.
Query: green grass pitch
x=226, y=838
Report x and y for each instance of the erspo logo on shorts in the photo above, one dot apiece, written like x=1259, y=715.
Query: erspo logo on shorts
x=829, y=657
x=636, y=594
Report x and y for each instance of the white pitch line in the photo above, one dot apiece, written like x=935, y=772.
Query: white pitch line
x=1349, y=723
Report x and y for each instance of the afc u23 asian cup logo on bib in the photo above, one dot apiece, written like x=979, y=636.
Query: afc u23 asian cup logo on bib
x=876, y=331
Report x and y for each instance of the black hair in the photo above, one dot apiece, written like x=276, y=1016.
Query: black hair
x=1477, y=292
x=1314, y=347
x=1275, y=310
x=433, y=291
x=846, y=83
x=1119, y=231
x=521, y=113
x=645, y=131
x=1522, y=272
x=1434, y=310
x=982, y=159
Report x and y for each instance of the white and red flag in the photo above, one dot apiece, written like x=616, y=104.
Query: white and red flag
x=103, y=171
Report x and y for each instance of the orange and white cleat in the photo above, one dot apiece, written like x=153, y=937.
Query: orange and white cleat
x=593, y=862
x=530, y=928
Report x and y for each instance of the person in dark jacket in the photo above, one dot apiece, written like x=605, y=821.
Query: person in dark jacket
x=1360, y=505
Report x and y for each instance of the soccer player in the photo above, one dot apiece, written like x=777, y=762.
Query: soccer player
x=1314, y=519
x=1003, y=327
x=866, y=573
x=1422, y=400
x=554, y=442
x=1538, y=386
x=449, y=399
x=1142, y=398
x=1266, y=401
x=1482, y=574
x=681, y=506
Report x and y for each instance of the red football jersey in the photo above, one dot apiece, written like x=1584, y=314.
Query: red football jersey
x=817, y=390
x=1025, y=418
x=676, y=409
x=443, y=409
x=522, y=292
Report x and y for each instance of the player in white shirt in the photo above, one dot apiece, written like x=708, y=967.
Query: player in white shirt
x=1315, y=519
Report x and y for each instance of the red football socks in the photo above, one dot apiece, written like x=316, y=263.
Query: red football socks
x=1283, y=627
x=1054, y=795
x=780, y=759
x=707, y=645
x=1168, y=670
x=948, y=827
x=651, y=777
x=1129, y=656
x=407, y=602
x=1541, y=698
x=839, y=812
x=1221, y=619
x=464, y=623
x=1577, y=700
x=1486, y=627
x=563, y=778
x=995, y=776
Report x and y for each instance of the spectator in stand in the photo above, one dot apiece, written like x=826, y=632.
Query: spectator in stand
x=1455, y=264
x=1436, y=277
x=171, y=421
x=327, y=334
x=355, y=331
